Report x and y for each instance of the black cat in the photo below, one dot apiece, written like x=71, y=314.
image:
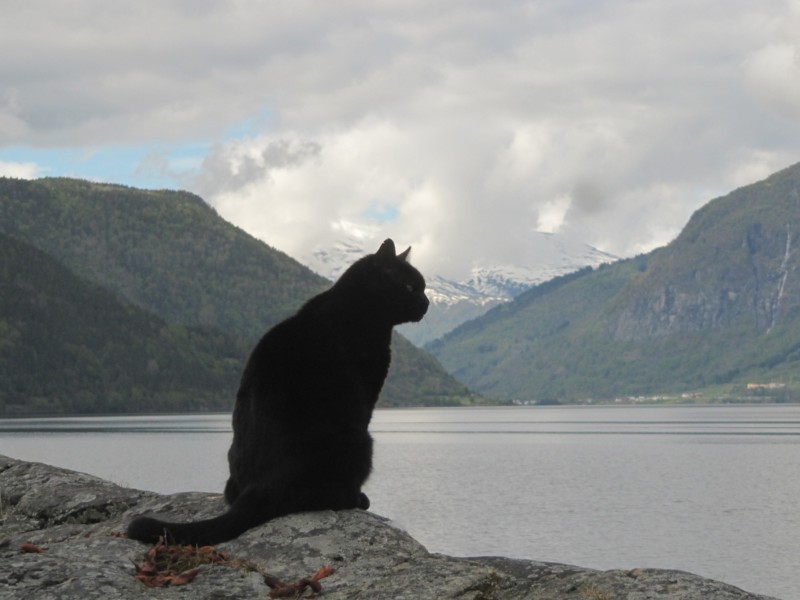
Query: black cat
x=300, y=439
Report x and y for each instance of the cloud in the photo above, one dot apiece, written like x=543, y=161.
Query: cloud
x=464, y=126
x=17, y=170
x=773, y=74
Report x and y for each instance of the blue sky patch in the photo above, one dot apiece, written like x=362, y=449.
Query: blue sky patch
x=151, y=166
x=381, y=213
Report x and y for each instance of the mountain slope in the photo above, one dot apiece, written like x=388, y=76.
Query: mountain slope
x=167, y=252
x=172, y=255
x=69, y=346
x=719, y=306
x=732, y=263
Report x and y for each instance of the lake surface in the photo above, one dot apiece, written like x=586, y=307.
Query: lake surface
x=708, y=489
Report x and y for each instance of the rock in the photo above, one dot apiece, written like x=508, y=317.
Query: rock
x=72, y=518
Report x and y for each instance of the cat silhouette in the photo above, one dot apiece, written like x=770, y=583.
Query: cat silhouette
x=306, y=397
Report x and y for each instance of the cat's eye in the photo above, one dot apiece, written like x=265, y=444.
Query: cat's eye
x=409, y=287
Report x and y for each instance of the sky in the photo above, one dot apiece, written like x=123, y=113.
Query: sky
x=460, y=128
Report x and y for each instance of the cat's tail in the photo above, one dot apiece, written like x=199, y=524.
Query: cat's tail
x=247, y=511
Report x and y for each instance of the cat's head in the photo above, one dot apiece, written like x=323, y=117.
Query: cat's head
x=389, y=285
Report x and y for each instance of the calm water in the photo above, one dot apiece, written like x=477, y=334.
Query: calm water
x=712, y=490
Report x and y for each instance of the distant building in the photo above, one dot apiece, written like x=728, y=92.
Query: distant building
x=766, y=386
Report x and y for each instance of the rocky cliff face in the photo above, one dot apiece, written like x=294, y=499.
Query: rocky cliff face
x=59, y=540
x=736, y=263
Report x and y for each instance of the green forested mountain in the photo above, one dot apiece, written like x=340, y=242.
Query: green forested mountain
x=172, y=256
x=70, y=346
x=715, y=310
x=168, y=252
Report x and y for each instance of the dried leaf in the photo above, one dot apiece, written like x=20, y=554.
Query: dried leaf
x=323, y=572
x=184, y=578
x=296, y=589
x=172, y=565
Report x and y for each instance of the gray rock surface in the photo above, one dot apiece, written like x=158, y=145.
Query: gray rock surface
x=73, y=518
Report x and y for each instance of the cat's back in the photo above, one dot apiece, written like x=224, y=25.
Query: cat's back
x=306, y=347
x=288, y=343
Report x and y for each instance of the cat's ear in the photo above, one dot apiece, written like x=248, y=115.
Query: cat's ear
x=403, y=256
x=386, y=253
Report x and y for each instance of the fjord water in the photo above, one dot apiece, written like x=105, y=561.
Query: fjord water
x=708, y=489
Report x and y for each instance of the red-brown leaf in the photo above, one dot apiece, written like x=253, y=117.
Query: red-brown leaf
x=184, y=578
x=323, y=572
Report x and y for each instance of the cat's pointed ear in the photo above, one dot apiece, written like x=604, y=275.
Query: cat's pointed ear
x=386, y=252
x=403, y=256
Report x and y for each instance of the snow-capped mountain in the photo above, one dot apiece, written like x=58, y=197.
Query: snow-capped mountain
x=508, y=281
x=488, y=284
x=332, y=262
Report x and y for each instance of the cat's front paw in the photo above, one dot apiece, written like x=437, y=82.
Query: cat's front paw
x=363, y=501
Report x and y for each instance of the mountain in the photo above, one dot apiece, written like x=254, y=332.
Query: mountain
x=169, y=254
x=717, y=310
x=552, y=256
x=488, y=283
x=67, y=345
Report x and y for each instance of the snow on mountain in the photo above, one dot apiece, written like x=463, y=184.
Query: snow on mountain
x=488, y=284
x=332, y=262
x=508, y=281
x=445, y=291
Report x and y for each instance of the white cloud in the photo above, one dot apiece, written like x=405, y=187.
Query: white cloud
x=16, y=170
x=773, y=74
x=466, y=124
x=552, y=214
